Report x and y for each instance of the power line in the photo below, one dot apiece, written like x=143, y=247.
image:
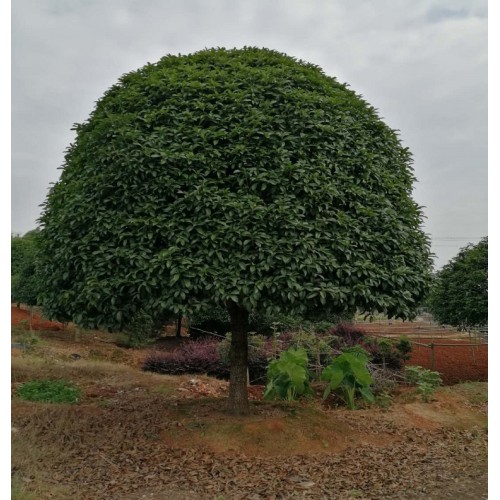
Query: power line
x=457, y=237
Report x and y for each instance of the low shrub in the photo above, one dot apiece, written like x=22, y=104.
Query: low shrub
x=350, y=376
x=202, y=357
x=288, y=377
x=348, y=334
x=49, y=391
x=141, y=331
x=387, y=354
x=384, y=400
x=404, y=347
x=427, y=381
x=321, y=341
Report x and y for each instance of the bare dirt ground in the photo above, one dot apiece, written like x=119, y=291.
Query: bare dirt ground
x=136, y=435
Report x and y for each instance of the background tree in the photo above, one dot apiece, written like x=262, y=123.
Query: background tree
x=25, y=272
x=459, y=295
x=242, y=178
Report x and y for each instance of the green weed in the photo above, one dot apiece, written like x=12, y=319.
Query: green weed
x=49, y=391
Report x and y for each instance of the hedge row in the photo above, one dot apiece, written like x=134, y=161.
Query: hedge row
x=210, y=356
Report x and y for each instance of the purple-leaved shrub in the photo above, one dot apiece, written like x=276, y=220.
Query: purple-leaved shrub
x=202, y=357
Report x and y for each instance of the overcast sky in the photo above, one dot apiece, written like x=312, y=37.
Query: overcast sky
x=421, y=63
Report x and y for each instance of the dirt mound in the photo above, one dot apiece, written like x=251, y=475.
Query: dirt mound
x=18, y=314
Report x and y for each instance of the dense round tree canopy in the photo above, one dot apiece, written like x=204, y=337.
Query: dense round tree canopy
x=240, y=176
x=459, y=295
x=25, y=273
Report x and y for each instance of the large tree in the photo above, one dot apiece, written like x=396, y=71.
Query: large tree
x=243, y=178
x=459, y=294
x=25, y=272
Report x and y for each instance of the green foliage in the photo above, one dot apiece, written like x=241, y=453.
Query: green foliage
x=313, y=343
x=459, y=294
x=404, y=347
x=265, y=324
x=214, y=318
x=358, y=352
x=384, y=345
x=384, y=400
x=387, y=353
x=22, y=334
x=349, y=374
x=49, y=391
x=141, y=330
x=25, y=268
x=426, y=380
x=240, y=175
x=18, y=491
x=288, y=377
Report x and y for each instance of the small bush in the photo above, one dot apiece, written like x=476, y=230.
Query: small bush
x=349, y=374
x=385, y=353
x=141, y=331
x=288, y=377
x=349, y=334
x=204, y=356
x=426, y=381
x=200, y=356
x=318, y=347
x=404, y=347
x=49, y=391
x=384, y=400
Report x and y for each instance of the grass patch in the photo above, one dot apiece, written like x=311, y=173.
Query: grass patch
x=33, y=366
x=49, y=391
x=475, y=392
x=17, y=492
x=22, y=334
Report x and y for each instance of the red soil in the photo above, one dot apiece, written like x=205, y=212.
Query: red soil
x=18, y=314
x=456, y=364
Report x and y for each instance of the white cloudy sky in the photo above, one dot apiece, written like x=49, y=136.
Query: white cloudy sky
x=422, y=63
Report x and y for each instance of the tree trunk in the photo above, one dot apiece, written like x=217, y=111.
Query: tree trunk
x=179, y=325
x=238, y=393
